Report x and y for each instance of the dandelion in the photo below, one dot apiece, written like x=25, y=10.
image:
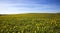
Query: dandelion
x=35, y=31
x=12, y=32
x=18, y=32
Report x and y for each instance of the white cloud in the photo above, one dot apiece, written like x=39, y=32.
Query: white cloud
x=10, y=9
x=6, y=7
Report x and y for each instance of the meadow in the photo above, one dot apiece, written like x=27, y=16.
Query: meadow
x=30, y=23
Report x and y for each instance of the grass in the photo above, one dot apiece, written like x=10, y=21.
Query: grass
x=30, y=23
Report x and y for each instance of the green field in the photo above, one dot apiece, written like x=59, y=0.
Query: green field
x=30, y=23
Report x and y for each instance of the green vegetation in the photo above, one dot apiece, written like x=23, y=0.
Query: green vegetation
x=30, y=23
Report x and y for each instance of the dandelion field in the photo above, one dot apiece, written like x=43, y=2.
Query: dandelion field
x=30, y=23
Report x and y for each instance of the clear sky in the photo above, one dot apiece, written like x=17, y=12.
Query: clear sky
x=29, y=6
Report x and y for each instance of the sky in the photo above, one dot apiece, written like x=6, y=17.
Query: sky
x=29, y=6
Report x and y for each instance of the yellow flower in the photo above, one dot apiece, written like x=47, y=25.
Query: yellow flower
x=35, y=31
x=12, y=32
x=18, y=32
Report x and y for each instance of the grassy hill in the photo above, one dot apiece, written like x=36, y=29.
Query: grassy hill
x=30, y=23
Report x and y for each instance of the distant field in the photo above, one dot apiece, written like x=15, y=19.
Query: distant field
x=30, y=23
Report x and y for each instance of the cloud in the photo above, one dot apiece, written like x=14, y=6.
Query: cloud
x=22, y=6
x=25, y=8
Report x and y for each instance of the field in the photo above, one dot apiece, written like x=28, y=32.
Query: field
x=30, y=23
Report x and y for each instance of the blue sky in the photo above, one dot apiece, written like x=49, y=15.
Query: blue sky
x=29, y=6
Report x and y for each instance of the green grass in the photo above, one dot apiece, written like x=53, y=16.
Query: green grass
x=30, y=23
